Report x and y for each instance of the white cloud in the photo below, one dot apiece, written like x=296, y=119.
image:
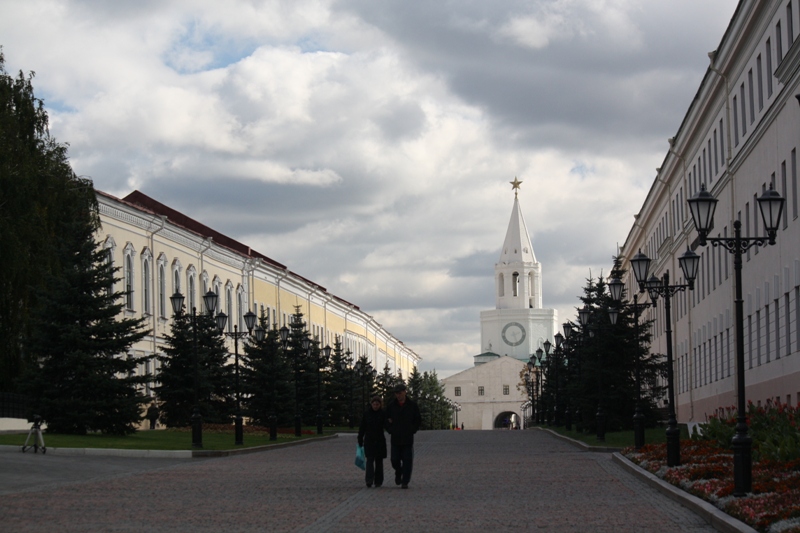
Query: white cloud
x=531, y=31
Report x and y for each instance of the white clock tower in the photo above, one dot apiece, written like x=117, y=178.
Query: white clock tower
x=518, y=325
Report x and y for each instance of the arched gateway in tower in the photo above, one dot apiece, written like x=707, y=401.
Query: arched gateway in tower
x=518, y=325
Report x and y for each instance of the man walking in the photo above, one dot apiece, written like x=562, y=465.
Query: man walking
x=402, y=421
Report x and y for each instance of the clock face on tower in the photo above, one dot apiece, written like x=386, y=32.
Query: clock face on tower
x=513, y=334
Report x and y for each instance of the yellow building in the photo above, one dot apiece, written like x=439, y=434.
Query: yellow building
x=162, y=251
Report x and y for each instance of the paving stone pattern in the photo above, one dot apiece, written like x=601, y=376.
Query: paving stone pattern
x=462, y=481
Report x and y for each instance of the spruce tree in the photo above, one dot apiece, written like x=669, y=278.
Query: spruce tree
x=83, y=378
x=338, y=390
x=385, y=384
x=195, y=372
x=415, y=384
x=600, y=363
x=266, y=379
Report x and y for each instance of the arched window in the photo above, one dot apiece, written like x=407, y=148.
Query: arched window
x=109, y=245
x=128, y=276
x=162, y=290
x=229, y=306
x=501, y=282
x=191, y=288
x=204, y=283
x=515, y=284
x=240, y=309
x=217, y=290
x=146, y=285
x=190, y=291
x=176, y=278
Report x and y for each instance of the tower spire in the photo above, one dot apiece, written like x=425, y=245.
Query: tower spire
x=517, y=245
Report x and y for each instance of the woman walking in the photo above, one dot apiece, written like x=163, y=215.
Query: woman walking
x=370, y=436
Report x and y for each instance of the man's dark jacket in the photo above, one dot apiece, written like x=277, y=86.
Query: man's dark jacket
x=405, y=421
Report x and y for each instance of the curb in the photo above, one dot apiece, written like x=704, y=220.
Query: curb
x=582, y=445
x=165, y=454
x=256, y=449
x=719, y=520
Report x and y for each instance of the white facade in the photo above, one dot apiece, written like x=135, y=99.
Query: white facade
x=518, y=325
x=489, y=393
x=740, y=134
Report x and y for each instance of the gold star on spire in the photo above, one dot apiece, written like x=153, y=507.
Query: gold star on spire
x=515, y=185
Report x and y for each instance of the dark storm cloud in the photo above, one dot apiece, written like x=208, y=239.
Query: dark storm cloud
x=584, y=79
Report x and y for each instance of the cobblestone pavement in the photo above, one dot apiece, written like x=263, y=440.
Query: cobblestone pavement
x=462, y=481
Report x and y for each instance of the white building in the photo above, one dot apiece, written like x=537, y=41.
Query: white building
x=489, y=394
x=493, y=391
x=739, y=136
x=518, y=325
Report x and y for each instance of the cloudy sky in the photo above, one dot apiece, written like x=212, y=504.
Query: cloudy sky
x=369, y=144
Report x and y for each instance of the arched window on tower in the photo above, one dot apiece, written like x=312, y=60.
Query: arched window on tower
x=531, y=290
x=515, y=284
x=501, y=285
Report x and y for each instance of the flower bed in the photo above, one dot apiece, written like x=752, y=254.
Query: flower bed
x=706, y=469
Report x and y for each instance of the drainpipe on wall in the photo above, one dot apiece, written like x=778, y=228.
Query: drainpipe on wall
x=154, y=315
x=325, y=318
x=248, y=271
x=207, y=242
x=350, y=310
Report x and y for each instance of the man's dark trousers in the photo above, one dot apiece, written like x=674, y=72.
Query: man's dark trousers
x=403, y=461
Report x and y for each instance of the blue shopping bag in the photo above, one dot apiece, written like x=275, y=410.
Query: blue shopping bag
x=361, y=462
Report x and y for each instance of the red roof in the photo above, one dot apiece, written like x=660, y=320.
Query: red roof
x=141, y=201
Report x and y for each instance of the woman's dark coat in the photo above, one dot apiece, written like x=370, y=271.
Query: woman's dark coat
x=370, y=433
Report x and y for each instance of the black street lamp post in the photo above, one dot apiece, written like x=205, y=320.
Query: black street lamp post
x=210, y=301
x=306, y=344
x=689, y=263
x=561, y=356
x=615, y=287
x=249, y=321
x=539, y=360
x=584, y=316
x=702, y=205
x=556, y=374
x=260, y=334
x=360, y=371
x=283, y=333
x=571, y=342
x=345, y=367
x=323, y=356
x=530, y=383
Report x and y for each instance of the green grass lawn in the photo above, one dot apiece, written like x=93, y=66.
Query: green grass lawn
x=156, y=440
x=618, y=439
